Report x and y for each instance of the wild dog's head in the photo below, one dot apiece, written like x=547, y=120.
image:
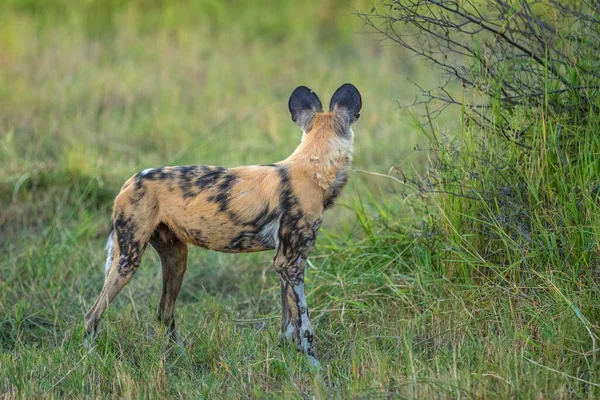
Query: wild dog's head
x=327, y=140
x=344, y=110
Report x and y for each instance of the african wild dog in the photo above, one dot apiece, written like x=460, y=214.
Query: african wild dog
x=277, y=206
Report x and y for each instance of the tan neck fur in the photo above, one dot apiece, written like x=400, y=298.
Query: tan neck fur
x=325, y=152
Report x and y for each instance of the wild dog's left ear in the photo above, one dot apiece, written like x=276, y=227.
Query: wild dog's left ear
x=303, y=105
x=348, y=101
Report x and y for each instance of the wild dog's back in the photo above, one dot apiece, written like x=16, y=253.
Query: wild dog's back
x=230, y=210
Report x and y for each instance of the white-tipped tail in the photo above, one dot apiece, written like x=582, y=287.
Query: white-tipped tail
x=110, y=252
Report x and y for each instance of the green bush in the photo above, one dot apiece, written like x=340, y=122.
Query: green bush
x=511, y=200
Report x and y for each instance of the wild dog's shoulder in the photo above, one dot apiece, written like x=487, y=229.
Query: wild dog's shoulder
x=299, y=195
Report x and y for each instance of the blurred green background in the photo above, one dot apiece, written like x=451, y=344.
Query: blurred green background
x=103, y=89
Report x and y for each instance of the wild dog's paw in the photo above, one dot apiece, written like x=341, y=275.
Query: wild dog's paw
x=88, y=343
x=313, y=361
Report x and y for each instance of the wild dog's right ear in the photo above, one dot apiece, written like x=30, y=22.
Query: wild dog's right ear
x=303, y=104
x=347, y=99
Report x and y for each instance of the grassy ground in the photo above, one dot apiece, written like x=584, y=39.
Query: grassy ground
x=94, y=92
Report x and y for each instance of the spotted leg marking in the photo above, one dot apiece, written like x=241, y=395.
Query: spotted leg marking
x=304, y=335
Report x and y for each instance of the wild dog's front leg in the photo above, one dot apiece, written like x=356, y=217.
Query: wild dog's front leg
x=295, y=323
x=300, y=315
x=287, y=328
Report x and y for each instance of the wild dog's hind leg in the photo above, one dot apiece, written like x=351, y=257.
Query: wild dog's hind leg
x=173, y=258
x=130, y=236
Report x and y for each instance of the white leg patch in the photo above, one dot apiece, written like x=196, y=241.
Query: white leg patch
x=290, y=331
x=305, y=325
x=269, y=234
x=110, y=253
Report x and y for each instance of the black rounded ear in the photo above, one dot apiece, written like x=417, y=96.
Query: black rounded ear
x=347, y=99
x=303, y=105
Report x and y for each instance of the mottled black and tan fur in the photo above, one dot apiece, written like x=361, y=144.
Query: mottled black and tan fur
x=236, y=210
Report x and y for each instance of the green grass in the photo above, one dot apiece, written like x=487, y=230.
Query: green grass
x=92, y=93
